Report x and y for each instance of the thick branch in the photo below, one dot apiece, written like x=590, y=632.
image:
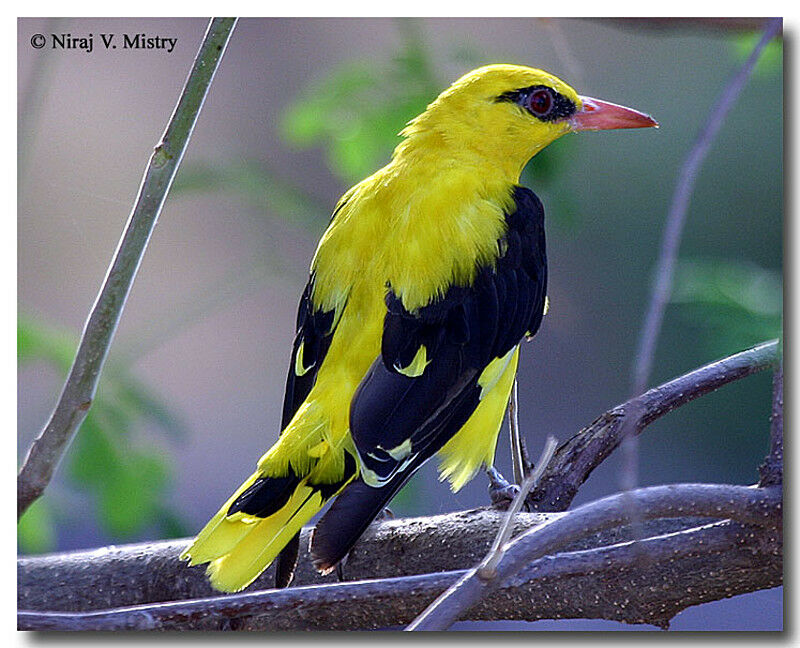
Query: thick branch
x=771, y=470
x=707, y=562
x=579, y=456
x=81, y=384
x=753, y=506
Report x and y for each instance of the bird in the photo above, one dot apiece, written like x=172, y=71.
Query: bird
x=429, y=276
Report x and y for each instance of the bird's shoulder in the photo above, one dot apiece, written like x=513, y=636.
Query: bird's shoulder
x=486, y=316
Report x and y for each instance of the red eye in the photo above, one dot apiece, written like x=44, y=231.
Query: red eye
x=540, y=102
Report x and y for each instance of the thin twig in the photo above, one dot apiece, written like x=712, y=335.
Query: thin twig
x=563, y=51
x=757, y=506
x=680, y=204
x=81, y=384
x=579, y=456
x=487, y=568
x=517, y=457
x=32, y=99
x=670, y=242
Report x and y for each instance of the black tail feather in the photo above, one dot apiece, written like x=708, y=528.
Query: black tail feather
x=286, y=563
x=347, y=519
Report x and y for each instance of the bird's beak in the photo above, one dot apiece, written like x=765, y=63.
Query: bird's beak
x=602, y=115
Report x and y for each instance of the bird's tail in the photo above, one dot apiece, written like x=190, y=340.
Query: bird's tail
x=253, y=526
x=348, y=517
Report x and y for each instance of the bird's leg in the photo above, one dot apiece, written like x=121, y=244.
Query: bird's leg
x=500, y=491
x=385, y=514
x=527, y=464
x=517, y=466
x=520, y=461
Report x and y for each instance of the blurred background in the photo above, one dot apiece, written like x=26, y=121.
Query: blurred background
x=299, y=110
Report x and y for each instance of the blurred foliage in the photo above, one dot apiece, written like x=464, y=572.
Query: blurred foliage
x=734, y=304
x=258, y=186
x=355, y=113
x=36, y=531
x=357, y=110
x=126, y=479
x=771, y=60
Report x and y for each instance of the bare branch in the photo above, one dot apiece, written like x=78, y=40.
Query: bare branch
x=771, y=470
x=78, y=391
x=760, y=507
x=670, y=242
x=579, y=456
x=680, y=205
x=595, y=578
x=487, y=567
x=721, y=26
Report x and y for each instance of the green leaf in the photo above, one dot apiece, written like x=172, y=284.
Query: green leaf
x=36, y=529
x=93, y=458
x=259, y=186
x=735, y=284
x=771, y=60
x=357, y=111
x=127, y=481
x=36, y=341
x=130, y=501
x=139, y=401
x=733, y=304
x=172, y=525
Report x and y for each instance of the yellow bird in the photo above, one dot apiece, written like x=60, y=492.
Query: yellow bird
x=430, y=274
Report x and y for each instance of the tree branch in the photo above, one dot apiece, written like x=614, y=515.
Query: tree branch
x=579, y=456
x=722, y=26
x=150, y=574
x=771, y=470
x=79, y=389
x=594, y=578
x=670, y=242
x=680, y=205
x=760, y=507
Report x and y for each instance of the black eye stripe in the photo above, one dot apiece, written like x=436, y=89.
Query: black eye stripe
x=561, y=108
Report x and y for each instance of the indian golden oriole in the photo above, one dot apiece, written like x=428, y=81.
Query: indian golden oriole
x=429, y=275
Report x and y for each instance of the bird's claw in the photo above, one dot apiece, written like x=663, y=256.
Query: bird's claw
x=501, y=492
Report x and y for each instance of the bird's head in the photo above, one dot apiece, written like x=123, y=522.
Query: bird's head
x=506, y=114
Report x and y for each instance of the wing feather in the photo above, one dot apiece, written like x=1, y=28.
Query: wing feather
x=462, y=331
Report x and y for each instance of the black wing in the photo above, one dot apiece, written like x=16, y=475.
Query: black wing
x=411, y=402
x=315, y=328
x=397, y=416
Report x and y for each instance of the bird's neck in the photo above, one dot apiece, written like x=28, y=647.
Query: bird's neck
x=436, y=151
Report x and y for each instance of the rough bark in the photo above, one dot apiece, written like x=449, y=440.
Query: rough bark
x=706, y=562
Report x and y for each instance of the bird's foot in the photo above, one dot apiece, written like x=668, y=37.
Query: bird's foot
x=501, y=492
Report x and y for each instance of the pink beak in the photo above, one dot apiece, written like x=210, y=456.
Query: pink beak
x=602, y=115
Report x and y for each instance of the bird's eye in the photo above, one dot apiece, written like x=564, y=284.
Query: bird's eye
x=540, y=102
